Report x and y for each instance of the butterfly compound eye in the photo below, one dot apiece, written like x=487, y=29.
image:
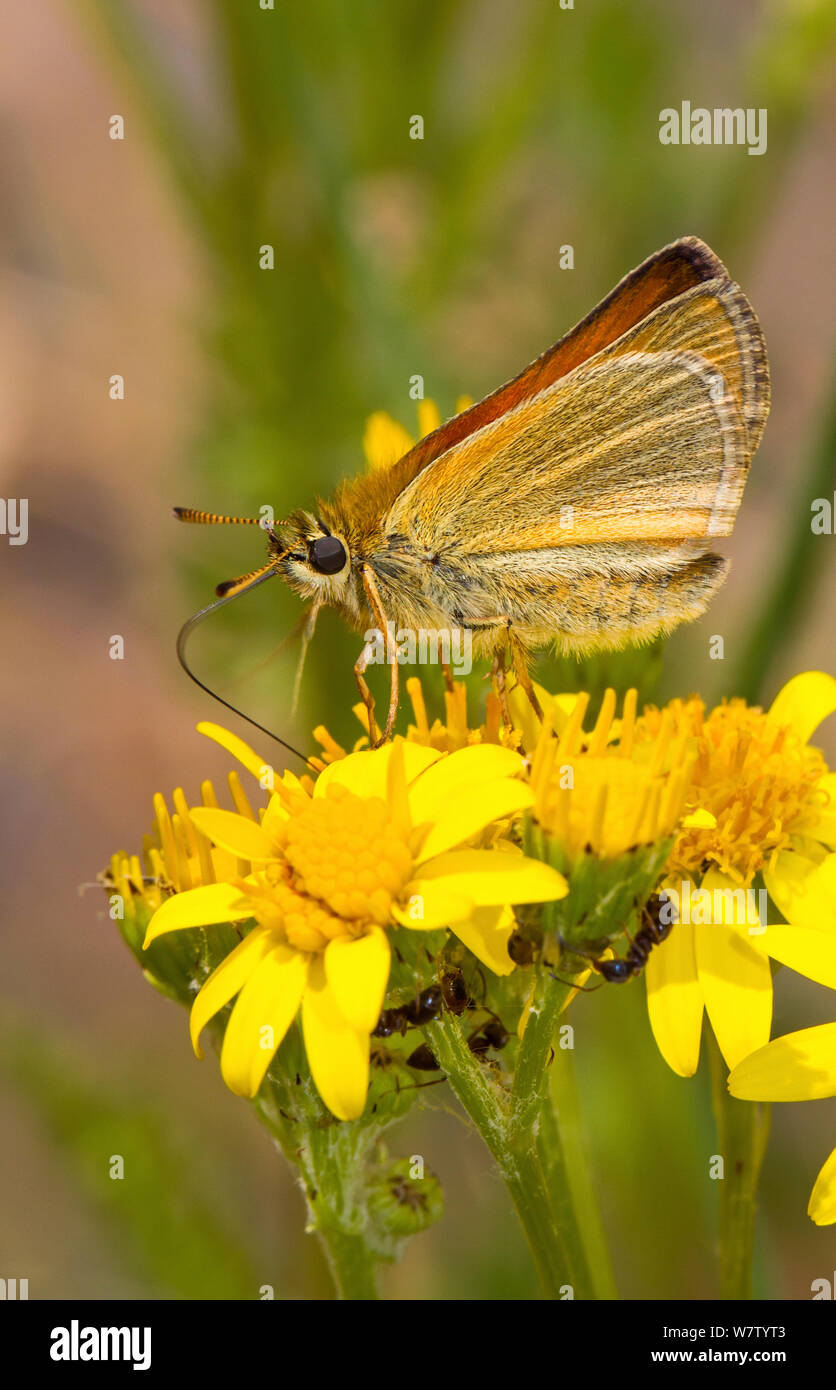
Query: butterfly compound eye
x=327, y=554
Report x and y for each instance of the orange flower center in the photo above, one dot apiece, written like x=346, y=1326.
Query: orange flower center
x=755, y=777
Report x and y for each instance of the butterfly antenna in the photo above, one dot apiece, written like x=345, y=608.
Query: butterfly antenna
x=198, y=518
x=231, y=591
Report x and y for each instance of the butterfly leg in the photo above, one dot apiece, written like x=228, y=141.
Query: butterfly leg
x=394, y=687
x=519, y=661
x=519, y=657
x=446, y=671
x=498, y=679
x=365, y=694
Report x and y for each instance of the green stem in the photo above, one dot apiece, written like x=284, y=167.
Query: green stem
x=564, y=1134
x=352, y=1263
x=514, y=1149
x=332, y=1160
x=520, y=1131
x=550, y=1244
x=743, y=1132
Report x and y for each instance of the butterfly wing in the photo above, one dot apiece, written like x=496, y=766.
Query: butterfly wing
x=575, y=502
x=650, y=439
x=665, y=275
x=581, y=514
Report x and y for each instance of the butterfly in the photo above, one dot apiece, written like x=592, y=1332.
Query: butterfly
x=575, y=506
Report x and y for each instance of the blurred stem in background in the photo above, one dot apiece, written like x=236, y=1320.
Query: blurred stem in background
x=562, y=1133
x=742, y=1134
x=788, y=65
x=796, y=571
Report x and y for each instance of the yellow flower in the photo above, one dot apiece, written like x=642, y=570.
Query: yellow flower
x=175, y=856
x=799, y=1066
x=445, y=736
x=377, y=842
x=603, y=792
x=605, y=809
x=771, y=797
x=385, y=440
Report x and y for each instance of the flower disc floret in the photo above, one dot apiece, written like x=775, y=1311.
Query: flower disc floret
x=347, y=851
x=298, y=919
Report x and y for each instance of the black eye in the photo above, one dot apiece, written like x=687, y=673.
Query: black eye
x=327, y=554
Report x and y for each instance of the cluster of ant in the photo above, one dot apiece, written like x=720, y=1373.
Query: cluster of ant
x=655, y=928
x=452, y=994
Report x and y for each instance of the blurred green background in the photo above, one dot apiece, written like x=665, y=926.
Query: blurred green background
x=393, y=257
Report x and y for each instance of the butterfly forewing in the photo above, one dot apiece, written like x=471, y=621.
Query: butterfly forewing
x=580, y=513
x=664, y=276
x=575, y=503
x=640, y=446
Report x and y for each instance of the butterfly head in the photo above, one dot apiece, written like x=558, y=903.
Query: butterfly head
x=313, y=560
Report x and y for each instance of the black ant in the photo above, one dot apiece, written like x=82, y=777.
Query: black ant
x=522, y=949
x=491, y=1034
x=450, y=994
x=652, y=933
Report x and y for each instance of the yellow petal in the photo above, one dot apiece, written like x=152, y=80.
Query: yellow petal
x=804, y=891
x=430, y=904
x=734, y=975
x=489, y=877
x=486, y=934
x=238, y=834
x=810, y=952
x=241, y=751
x=338, y=1054
x=275, y=816
x=226, y=980
x=804, y=702
x=366, y=773
x=429, y=418
x=798, y=1066
x=358, y=972
x=822, y=1208
x=199, y=907
x=737, y=990
x=674, y=1000
x=479, y=763
x=821, y=818
x=396, y=788
x=699, y=820
x=466, y=812
x=264, y=1010
x=384, y=441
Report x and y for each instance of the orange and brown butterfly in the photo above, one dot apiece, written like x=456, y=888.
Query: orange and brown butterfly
x=573, y=506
